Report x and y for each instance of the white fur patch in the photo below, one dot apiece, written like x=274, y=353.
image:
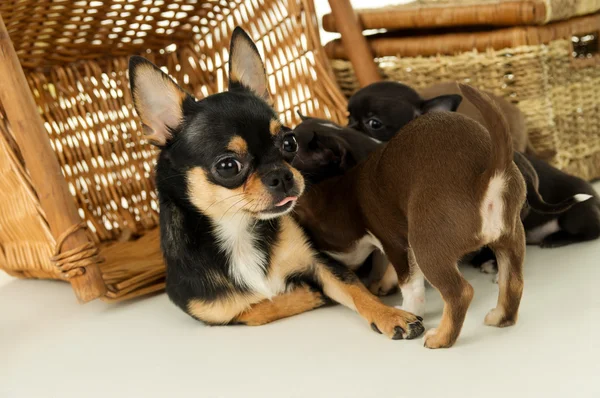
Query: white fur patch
x=413, y=290
x=247, y=264
x=537, y=234
x=489, y=267
x=492, y=209
x=582, y=197
x=359, y=252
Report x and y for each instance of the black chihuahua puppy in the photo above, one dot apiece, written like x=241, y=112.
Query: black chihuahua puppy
x=382, y=109
x=233, y=252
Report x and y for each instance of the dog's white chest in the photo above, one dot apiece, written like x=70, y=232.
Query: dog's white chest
x=360, y=251
x=247, y=263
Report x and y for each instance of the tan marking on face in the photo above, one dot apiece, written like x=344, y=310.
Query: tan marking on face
x=238, y=145
x=298, y=178
x=257, y=194
x=216, y=201
x=275, y=127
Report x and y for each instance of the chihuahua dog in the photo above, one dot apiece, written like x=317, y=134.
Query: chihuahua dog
x=442, y=188
x=382, y=109
x=328, y=150
x=578, y=224
x=226, y=187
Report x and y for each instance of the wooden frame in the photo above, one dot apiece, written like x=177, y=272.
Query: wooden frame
x=51, y=188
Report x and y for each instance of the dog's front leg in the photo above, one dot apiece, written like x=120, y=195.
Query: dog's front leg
x=343, y=286
x=295, y=302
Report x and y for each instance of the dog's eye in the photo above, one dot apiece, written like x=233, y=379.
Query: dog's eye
x=228, y=168
x=290, y=144
x=374, y=124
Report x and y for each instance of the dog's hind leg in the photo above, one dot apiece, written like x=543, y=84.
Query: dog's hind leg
x=510, y=252
x=441, y=270
x=343, y=286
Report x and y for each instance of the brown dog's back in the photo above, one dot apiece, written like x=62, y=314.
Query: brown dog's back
x=515, y=118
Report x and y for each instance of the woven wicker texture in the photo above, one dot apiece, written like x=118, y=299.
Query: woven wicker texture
x=413, y=43
x=75, y=56
x=559, y=95
x=449, y=13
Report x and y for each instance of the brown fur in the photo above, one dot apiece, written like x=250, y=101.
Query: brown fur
x=216, y=201
x=514, y=116
x=425, y=190
x=297, y=301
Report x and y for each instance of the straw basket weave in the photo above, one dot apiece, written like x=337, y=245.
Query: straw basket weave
x=77, y=197
x=461, y=13
x=551, y=72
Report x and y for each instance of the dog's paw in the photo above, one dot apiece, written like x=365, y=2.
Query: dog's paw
x=383, y=287
x=497, y=317
x=495, y=280
x=489, y=267
x=433, y=339
x=397, y=324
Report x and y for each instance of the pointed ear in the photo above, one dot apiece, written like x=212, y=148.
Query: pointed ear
x=442, y=103
x=246, y=69
x=302, y=117
x=157, y=99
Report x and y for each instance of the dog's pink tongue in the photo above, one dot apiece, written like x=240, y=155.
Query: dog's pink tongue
x=287, y=200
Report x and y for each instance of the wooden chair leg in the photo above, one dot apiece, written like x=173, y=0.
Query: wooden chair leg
x=354, y=42
x=50, y=185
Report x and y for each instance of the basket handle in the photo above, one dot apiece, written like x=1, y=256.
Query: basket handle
x=49, y=183
x=354, y=42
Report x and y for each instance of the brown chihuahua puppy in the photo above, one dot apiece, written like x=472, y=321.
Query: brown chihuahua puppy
x=442, y=188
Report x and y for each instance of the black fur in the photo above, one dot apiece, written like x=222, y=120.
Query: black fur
x=579, y=223
x=196, y=266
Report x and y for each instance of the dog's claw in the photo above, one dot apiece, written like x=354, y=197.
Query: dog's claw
x=398, y=333
x=375, y=328
x=420, y=318
x=415, y=329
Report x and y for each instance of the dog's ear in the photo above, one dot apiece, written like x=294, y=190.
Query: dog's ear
x=246, y=70
x=157, y=99
x=302, y=117
x=442, y=103
x=332, y=150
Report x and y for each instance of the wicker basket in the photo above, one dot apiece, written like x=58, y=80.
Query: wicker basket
x=461, y=13
x=552, y=72
x=78, y=201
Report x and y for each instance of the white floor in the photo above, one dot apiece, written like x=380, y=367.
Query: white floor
x=52, y=347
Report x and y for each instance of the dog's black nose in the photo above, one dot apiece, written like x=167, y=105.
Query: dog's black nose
x=280, y=181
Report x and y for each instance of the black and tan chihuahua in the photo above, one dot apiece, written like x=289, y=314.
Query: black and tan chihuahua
x=226, y=188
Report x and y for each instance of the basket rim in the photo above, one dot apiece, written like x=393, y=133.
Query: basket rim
x=412, y=43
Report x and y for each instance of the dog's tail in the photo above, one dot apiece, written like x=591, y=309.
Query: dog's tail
x=537, y=203
x=534, y=198
x=495, y=122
